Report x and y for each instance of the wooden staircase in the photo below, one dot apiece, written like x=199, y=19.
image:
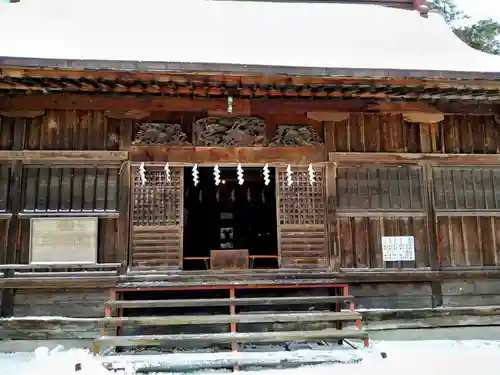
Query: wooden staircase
x=341, y=313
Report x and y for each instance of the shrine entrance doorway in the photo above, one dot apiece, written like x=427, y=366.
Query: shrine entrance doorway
x=229, y=220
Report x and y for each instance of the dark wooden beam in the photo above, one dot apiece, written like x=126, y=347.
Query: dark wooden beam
x=56, y=283
x=93, y=157
x=356, y=158
x=230, y=155
x=419, y=274
x=260, y=301
x=23, y=113
x=136, y=104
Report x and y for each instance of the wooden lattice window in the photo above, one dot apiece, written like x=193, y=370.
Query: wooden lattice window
x=158, y=202
x=301, y=203
x=70, y=189
x=380, y=188
x=467, y=188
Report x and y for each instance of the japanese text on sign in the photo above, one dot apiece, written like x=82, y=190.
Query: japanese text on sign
x=398, y=248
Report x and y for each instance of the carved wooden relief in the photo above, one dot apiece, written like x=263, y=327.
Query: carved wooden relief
x=223, y=131
x=295, y=135
x=152, y=133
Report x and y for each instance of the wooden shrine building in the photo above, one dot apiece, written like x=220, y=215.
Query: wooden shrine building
x=243, y=144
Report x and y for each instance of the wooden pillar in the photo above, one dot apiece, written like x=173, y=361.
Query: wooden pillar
x=428, y=123
x=127, y=121
x=329, y=120
x=15, y=196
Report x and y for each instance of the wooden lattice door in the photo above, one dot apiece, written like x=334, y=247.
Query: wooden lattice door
x=157, y=219
x=301, y=219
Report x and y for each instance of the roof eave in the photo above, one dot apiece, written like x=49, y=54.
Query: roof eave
x=241, y=69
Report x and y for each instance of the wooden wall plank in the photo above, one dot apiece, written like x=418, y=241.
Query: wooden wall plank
x=72, y=130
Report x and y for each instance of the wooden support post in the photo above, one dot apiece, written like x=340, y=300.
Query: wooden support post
x=432, y=234
x=123, y=233
x=124, y=218
x=15, y=196
x=428, y=144
x=338, y=308
x=232, y=311
x=329, y=120
x=119, y=296
x=107, y=309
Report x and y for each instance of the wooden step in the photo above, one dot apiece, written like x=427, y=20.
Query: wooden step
x=221, y=338
x=227, y=301
x=226, y=319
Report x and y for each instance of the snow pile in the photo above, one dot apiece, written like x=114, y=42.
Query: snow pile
x=410, y=358
x=55, y=362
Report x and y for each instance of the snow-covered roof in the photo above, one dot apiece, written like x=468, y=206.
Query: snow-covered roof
x=299, y=35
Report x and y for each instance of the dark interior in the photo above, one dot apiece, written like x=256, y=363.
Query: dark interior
x=229, y=216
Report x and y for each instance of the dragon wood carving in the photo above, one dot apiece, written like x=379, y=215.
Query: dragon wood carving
x=235, y=132
x=295, y=135
x=153, y=133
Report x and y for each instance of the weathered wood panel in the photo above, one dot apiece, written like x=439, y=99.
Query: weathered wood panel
x=374, y=201
x=375, y=132
x=156, y=246
x=77, y=304
x=73, y=130
x=378, y=187
x=157, y=218
x=4, y=230
x=301, y=216
x=366, y=132
x=66, y=189
x=468, y=134
x=469, y=240
x=392, y=295
x=7, y=126
x=107, y=241
x=360, y=240
x=474, y=188
x=471, y=293
x=50, y=329
x=4, y=187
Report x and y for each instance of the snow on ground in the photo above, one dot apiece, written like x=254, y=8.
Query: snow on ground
x=416, y=357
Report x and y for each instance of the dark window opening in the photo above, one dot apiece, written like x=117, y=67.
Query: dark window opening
x=230, y=216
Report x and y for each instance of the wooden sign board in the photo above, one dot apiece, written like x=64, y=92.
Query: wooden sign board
x=229, y=259
x=63, y=240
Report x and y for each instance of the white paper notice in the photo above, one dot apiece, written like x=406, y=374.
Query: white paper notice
x=397, y=249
